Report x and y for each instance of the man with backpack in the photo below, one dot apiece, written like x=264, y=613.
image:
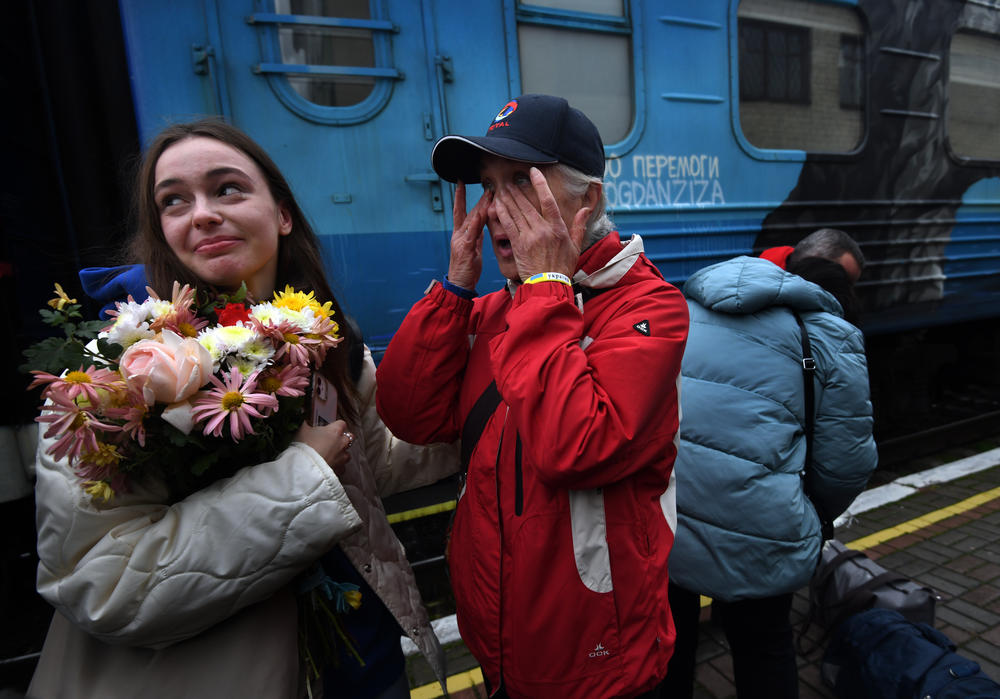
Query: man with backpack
x=763, y=466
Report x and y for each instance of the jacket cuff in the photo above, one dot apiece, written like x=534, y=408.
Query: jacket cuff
x=543, y=290
x=352, y=520
x=447, y=301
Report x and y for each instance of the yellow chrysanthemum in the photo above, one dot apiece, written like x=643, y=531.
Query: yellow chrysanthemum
x=99, y=490
x=61, y=300
x=105, y=456
x=298, y=300
x=353, y=598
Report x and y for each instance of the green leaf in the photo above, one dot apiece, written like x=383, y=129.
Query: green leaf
x=204, y=462
x=51, y=317
x=111, y=350
x=90, y=328
x=49, y=355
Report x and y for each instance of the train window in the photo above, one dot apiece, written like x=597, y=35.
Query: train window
x=774, y=60
x=974, y=96
x=328, y=46
x=329, y=61
x=852, y=93
x=581, y=50
x=801, y=75
x=600, y=7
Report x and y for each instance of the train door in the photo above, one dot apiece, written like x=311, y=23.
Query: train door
x=582, y=50
x=344, y=95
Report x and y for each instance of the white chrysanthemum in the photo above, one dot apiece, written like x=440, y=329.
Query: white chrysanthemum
x=131, y=324
x=158, y=307
x=216, y=349
x=258, y=350
x=245, y=365
x=126, y=334
x=138, y=312
x=236, y=345
x=224, y=340
x=273, y=315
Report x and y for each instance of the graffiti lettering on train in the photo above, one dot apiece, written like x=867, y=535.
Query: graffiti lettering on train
x=663, y=181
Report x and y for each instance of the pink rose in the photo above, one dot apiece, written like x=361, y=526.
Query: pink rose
x=166, y=371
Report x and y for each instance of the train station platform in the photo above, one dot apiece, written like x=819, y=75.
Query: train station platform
x=939, y=526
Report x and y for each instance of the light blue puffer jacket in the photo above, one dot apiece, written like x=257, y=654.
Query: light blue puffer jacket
x=745, y=527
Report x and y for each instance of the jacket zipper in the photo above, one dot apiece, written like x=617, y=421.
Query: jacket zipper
x=496, y=471
x=518, y=479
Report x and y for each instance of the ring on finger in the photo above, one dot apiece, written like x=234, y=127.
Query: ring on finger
x=350, y=439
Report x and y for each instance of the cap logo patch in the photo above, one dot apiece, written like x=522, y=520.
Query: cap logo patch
x=507, y=110
x=642, y=327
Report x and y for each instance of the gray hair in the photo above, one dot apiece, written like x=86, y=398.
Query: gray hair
x=599, y=224
x=830, y=244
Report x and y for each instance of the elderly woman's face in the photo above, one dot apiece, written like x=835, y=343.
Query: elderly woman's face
x=218, y=215
x=495, y=173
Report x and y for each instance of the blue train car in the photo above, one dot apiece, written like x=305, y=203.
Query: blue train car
x=729, y=126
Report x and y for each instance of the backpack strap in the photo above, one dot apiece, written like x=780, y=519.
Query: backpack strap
x=861, y=597
x=809, y=389
x=482, y=409
x=475, y=421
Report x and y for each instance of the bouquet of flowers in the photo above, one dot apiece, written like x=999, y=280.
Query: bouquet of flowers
x=186, y=391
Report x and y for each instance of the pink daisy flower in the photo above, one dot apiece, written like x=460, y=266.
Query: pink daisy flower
x=289, y=341
x=323, y=337
x=132, y=410
x=74, y=425
x=290, y=380
x=182, y=319
x=83, y=382
x=235, y=399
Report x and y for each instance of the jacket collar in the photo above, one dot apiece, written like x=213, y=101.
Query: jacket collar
x=604, y=263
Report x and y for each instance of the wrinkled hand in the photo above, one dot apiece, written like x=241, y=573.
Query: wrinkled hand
x=539, y=239
x=330, y=441
x=466, y=263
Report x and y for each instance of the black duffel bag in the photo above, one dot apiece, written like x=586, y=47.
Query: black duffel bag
x=847, y=582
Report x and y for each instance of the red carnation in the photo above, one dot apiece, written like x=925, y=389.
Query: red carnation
x=233, y=313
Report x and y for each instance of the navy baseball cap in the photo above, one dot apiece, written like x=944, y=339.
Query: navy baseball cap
x=536, y=129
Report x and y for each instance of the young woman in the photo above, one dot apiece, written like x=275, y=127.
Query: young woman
x=196, y=597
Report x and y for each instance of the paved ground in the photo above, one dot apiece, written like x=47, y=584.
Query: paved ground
x=958, y=555
x=946, y=536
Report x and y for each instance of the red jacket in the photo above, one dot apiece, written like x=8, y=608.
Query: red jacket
x=559, y=547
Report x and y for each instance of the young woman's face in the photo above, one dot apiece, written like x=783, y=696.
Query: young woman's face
x=218, y=215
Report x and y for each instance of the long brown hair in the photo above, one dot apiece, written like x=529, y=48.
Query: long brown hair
x=299, y=260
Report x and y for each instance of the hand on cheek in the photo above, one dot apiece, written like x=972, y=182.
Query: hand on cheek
x=539, y=237
x=466, y=261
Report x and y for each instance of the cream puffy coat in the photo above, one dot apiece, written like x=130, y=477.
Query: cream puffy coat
x=144, y=573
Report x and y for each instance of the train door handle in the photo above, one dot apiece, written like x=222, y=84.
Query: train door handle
x=437, y=204
x=204, y=63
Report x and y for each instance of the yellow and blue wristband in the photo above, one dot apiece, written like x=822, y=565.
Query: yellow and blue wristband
x=549, y=277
